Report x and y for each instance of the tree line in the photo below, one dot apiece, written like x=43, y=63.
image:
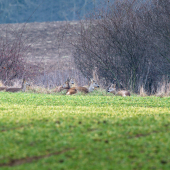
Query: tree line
x=128, y=42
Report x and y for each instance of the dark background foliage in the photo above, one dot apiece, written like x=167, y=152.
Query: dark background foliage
x=128, y=42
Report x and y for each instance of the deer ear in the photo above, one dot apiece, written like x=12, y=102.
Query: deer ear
x=114, y=85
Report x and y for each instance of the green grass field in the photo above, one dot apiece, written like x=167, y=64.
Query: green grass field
x=84, y=132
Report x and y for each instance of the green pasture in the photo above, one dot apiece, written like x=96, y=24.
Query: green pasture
x=84, y=132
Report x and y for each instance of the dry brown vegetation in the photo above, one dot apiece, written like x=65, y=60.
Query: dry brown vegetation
x=46, y=52
x=129, y=43
x=126, y=43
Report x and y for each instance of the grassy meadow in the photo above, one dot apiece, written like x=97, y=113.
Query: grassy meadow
x=84, y=132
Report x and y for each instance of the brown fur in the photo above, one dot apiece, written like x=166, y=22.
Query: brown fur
x=13, y=89
x=71, y=91
x=81, y=89
x=123, y=93
x=2, y=88
x=74, y=89
x=113, y=90
x=60, y=88
x=57, y=89
x=16, y=89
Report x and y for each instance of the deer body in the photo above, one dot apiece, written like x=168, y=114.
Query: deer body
x=66, y=86
x=61, y=88
x=57, y=89
x=71, y=91
x=75, y=89
x=122, y=93
x=16, y=89
x=2, y=88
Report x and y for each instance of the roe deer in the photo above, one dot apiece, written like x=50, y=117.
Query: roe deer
x=113, y=90
x=2, y=88
x=16, y=89
x=75, y=89
x=65, y=86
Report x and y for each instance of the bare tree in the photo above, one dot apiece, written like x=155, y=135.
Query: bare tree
x=121, y=40
x=12, y=57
